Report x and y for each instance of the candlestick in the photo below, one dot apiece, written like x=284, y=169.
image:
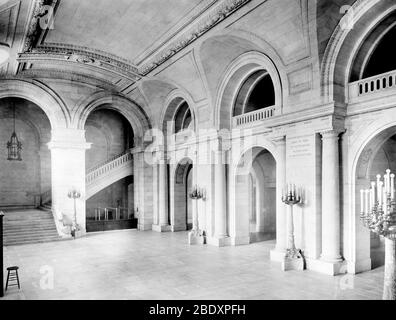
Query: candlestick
x=366, y=209
x=381, y=219
x=378, y=187
x=380, y=193
x=362, y=201
x=373, y=194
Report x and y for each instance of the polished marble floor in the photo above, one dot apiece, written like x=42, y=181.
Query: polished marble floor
x=129, y=264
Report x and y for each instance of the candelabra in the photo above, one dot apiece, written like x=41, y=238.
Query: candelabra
x=378, y=214
x=293, y=258
x=1, y=256
x=74, y=194
x=197, y=236
x=198, y=193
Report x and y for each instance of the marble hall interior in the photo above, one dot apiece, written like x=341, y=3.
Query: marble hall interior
x=144, y=138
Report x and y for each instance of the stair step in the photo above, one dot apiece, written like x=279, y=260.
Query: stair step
x=22, y=242
x=29, y=226
x=30, y=237
x=29, y=231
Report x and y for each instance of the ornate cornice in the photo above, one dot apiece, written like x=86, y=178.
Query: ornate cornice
x=202, y=26
x=32, y=50
x=65, y=75
x=81, y=55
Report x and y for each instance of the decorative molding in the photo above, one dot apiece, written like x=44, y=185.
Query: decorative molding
x=81, y=57
x=335, y=42
x=33, y=50
x=204, y=25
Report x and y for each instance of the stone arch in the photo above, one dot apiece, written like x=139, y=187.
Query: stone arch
x=179, y=204
x=172, y=103
x=236, y=74
x=240, y=197
x=362, y=18
x=52, y=105
x=135, y=115
x=357, y=237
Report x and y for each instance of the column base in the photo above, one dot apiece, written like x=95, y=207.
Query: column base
x=240, y=241
x=196, y=237
x=144, y=226
x=331, y=268
x=355, y=267
x=293, y=260
x=161, y=228
x=218, y=242
x=178, y=228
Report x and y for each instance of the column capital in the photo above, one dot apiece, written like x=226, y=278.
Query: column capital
x=68, y=139
x=331, y=133
x=279, y=140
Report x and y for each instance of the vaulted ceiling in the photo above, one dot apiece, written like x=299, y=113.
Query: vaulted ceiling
x=111, y=42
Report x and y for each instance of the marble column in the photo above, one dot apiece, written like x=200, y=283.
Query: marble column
x=331, y=229
x=68, y=148
x=163, y=221
x=220, y=197
x=281, y=218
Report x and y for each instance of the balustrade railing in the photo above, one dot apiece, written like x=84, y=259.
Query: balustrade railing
x=373, y=84
x=108, y=213
x=99, y=170
x=254, y=116
x=45, y=197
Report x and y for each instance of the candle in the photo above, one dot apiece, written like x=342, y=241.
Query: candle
x=362, y=201
x=392, y=185
x=388, y=180
x=366, y=204
x=384, y=204
x=380, y=193
x=373, y=191
x=372, y=197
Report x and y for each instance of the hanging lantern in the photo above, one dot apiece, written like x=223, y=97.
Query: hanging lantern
x=14, y=146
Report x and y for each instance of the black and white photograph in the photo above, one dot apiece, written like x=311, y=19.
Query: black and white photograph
x=206, y=152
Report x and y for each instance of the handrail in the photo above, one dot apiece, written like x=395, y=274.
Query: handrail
x=118, y=211
x=99, y=171
x=101, y=164
x=45, y=197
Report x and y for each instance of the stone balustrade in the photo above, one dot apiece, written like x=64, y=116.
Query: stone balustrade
x=254, y=116
x=115, y=162
x=375, y=84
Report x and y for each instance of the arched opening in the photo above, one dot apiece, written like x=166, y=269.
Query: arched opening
x=25, y=183
x=382, y=59
x=182, y=206
x=110, y=206
x=178, y=118
x=255, y=196
x=374, y=56
x=377, y=156
x=257, y=92
x=182, y=119
x=250, y=91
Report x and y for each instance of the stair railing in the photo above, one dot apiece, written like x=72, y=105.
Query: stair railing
x=114, y=162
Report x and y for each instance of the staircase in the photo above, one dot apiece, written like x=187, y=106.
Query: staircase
x=23, y=226
x=29, y=226
x=107, y=173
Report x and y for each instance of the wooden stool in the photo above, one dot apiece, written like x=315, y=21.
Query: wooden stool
x=12, y=276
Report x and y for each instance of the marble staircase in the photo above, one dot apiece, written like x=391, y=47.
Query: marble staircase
x=29, y=226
